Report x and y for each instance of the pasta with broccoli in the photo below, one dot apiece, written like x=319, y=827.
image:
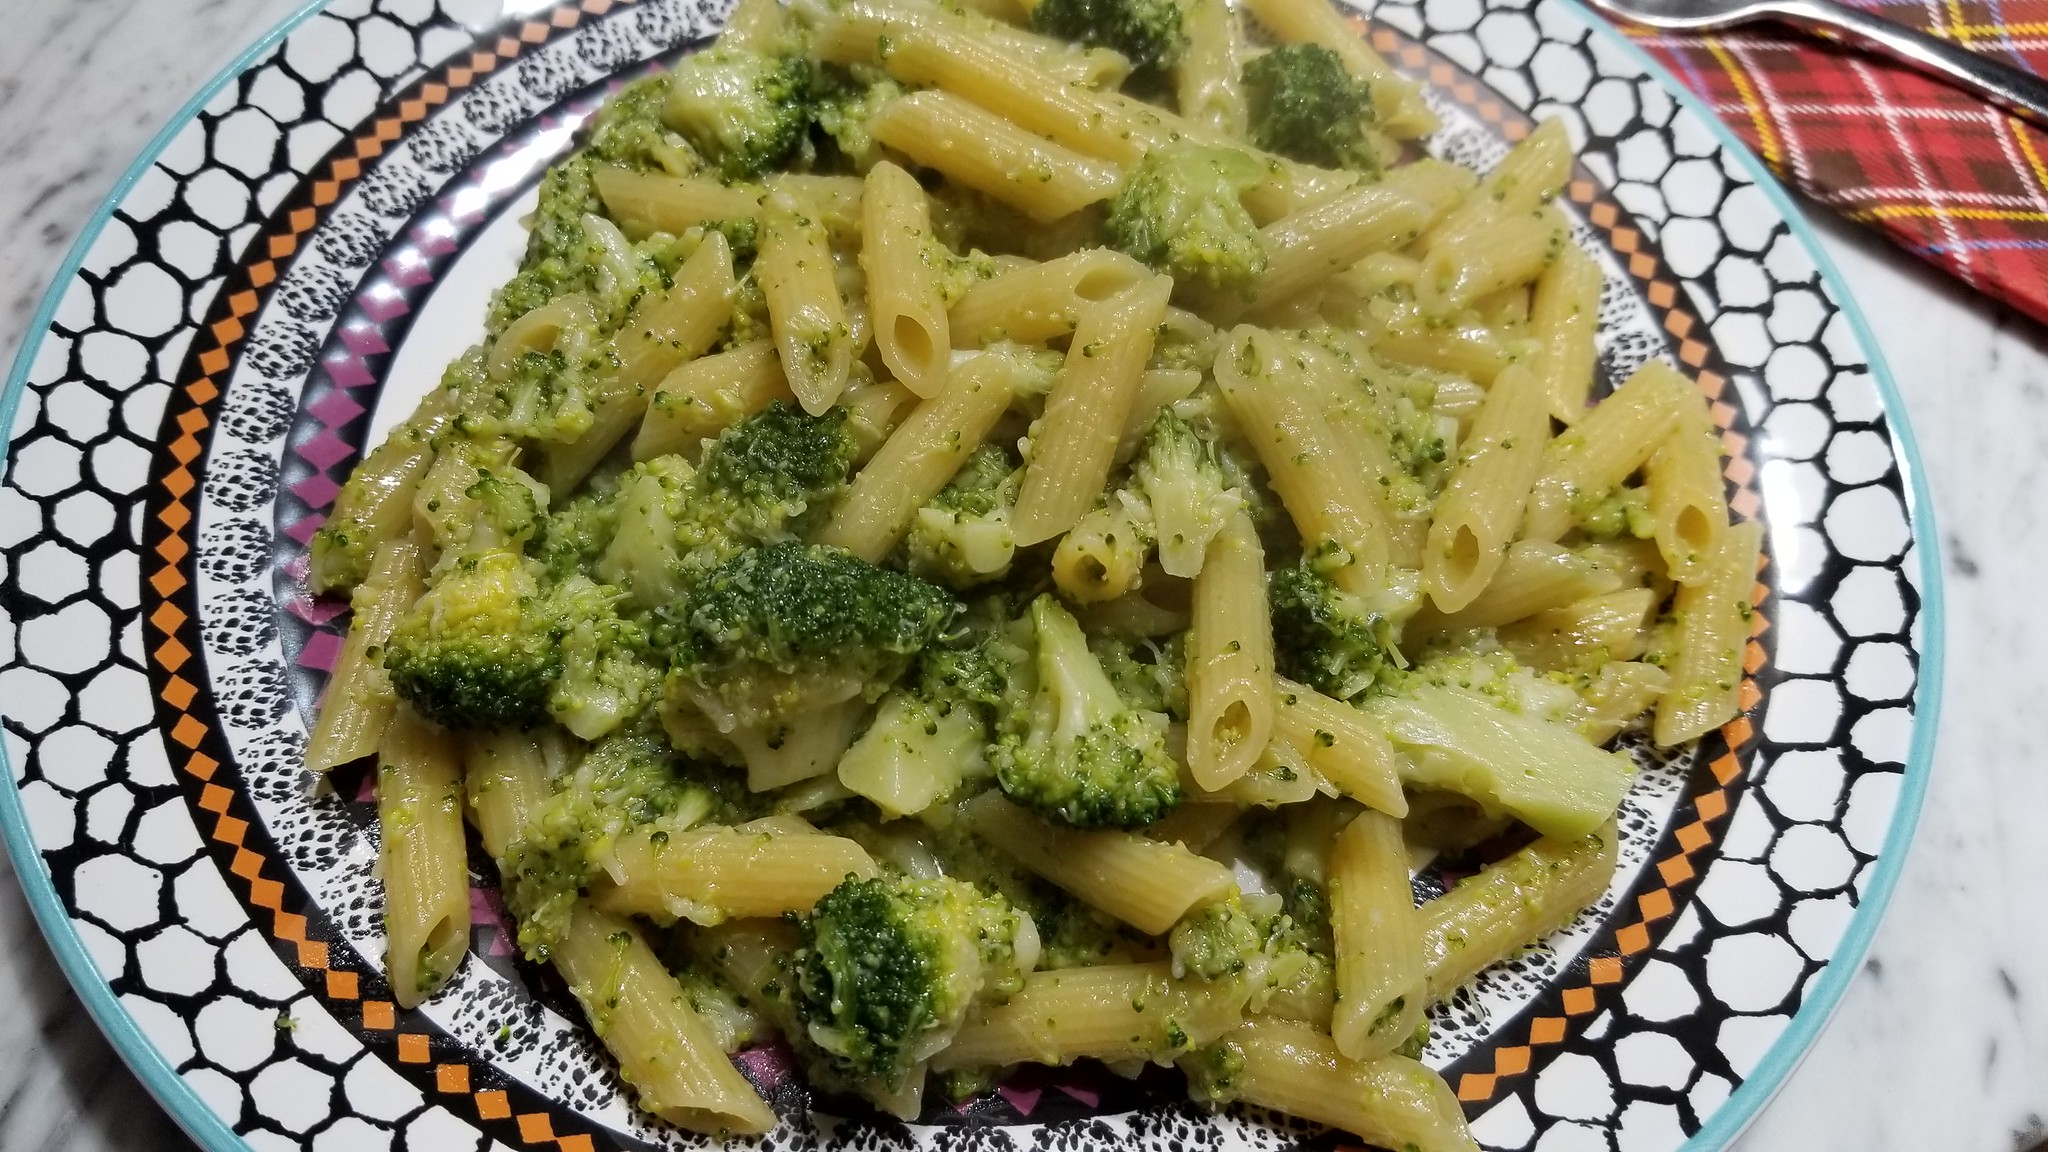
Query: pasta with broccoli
x=991, y=535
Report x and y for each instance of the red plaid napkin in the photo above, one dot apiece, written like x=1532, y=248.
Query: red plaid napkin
x=1951, y=179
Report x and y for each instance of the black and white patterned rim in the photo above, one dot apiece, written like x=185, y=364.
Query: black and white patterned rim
x=212, y=357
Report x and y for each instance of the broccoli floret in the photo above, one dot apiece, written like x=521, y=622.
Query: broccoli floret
x=480, y=649
x=1612, y=515
x=1214, y=941
x=1179, y=213
x=927, y=736
x=1327, y=638
x=610, y=674
x=622, y=783
x=888, y=969
x=1250, y=942
x=1148, y=32
x=779, y=469
x=743, y=111
x=560, y=257
x=766, y=480
x=574, y=535
x=1189, y=492
x=1150, y=675
x=539, y=397
x=845, y=101
x=1302, y=104
x=1071, y=748
x=787, y=629
x=473, y=501
x=963, y=538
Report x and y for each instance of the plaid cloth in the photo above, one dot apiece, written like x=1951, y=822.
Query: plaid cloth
x=1947, y=177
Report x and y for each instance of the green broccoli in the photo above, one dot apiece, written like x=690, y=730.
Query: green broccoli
x=480, y=649
x=743, y=111
x=1148, y=32
x=1149, y=674
x=621, y=783
x=610, y=674
x=1179, y=212
x=787, y=629
x=1327, y=638
x=537, y=397
x=573, y=535
x=1249, y=941
x=1302, y=104
x=963, y=538
x=561, y=256
x=1612, y=515
x=1070, y=747
x=928, y=735
x=845, y=100
x=766, y=480
x=472, y=500
x=1188, y=490
x=888, y=969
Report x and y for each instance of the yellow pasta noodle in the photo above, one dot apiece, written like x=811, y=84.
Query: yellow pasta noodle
x=1075, y=440
x=1483, y=502
x=1564, y=312
x=991, y=155
x=708, y=395
x=1389, y=1101
x=1529, y=895
x=918, y=459
x=359, y=701
x=1230, y=659
x=812, y=334
x=1607, y=444
x=1376, y=939
x=1035, y=303
x=708, y=874
x=1113, y=1012
x=1142, y=882
x=1713, y=615
x=425, y=867
x=1688, y=498
x=904, y=302
x=1344, y=745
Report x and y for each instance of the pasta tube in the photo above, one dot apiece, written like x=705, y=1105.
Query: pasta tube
x=1483, y=502
x=1389, y=1101
x=993, y=156
x=1489, y=917
x=1688, y=498
x=918, y=459
x=1114, y=1012
x=1036, y=303
x=708, y=395
x=359, y=701
x=805, y=310
x=1376, y=939
x=1142, y=882
x=1713, y=615
x=708, y=874
x=1608, y=443
x=904, y=303
x=1074, y=442
x=1230, y=659
x=422, y=857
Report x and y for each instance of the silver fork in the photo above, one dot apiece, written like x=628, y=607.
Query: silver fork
x=2016, y=88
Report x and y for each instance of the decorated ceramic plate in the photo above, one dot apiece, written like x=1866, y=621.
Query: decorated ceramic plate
x=293, y=260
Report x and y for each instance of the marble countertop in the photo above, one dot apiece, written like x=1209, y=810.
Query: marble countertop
x=1942, y=1041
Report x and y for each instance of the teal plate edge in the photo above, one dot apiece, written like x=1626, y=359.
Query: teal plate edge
x=1818, y=1006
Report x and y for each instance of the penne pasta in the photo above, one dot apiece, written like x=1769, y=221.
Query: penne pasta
x=1713, y=617
x=422, y=857
x=1389, y=1101
x=918, y=459
x=1279, y=411
x=1529, y=895
x=993, y=156
x=1589, y=631
x=1564, y=312
x=1482, y=503
x=699, y=400
x=1074, y=442
x=1208, y=81
x=1144, y=883
x=1607, y=444
x=1102, y=557
x=709, y=874
x=1341, y=744
x=358, y=703
x=812, y=335
x=1688, y=498
x=1110, y=1012
x=905, y=306
x=662, y=332
x=1230, y=659
x=1533, y=576
x=1038, y=302
x=1376, y=939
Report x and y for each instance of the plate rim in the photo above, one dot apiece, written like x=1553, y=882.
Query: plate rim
x=1823, y=998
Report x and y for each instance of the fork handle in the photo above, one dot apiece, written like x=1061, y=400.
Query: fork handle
x=2019, y=90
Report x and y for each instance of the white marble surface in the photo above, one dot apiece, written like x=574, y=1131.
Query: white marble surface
x=1942, y=1041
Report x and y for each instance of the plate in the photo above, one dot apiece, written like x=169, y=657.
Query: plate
x=296, y=256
